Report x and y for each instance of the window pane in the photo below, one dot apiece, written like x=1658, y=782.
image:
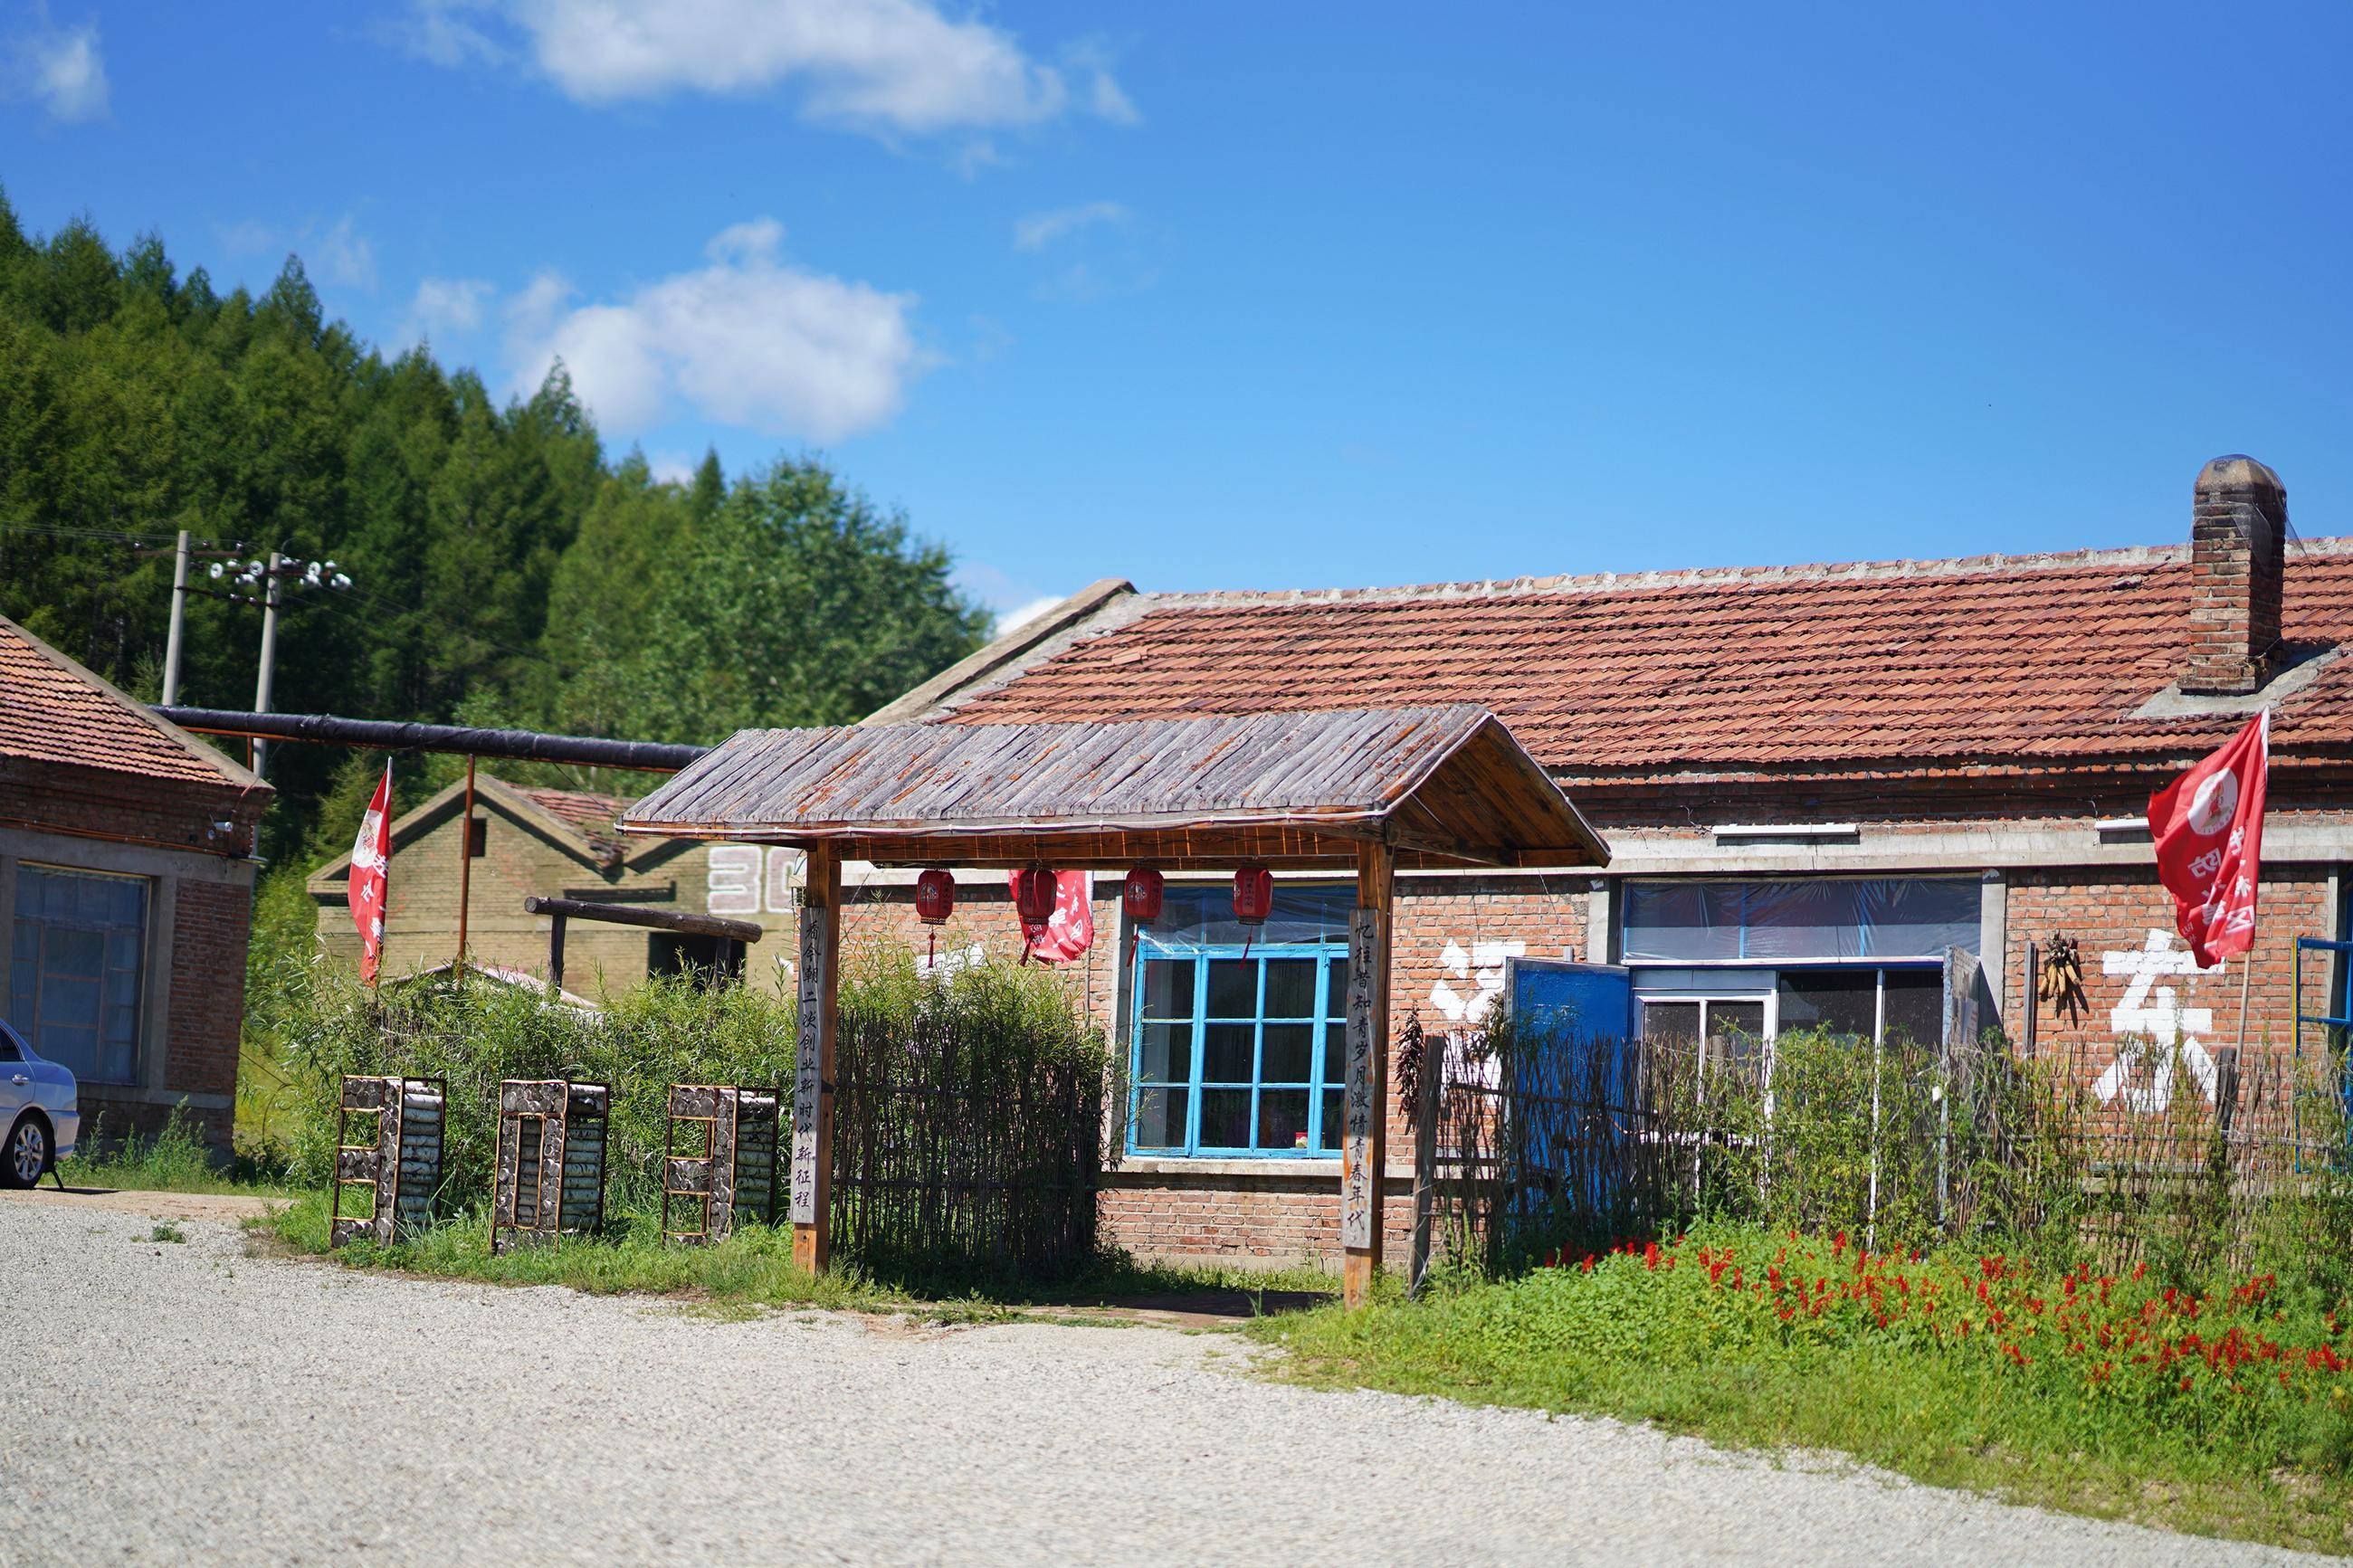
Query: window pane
x=1817, y=918
x=1920, y=917
x=1196, y=915
x=1283, y=1119
x=1290, y=988
x=1683, y=921
x=1168, y=988
x=1916, y=1005
x=1666, y=1021
x=1335, y=1052
x=1225, y=1119
x=1335, y=986
x=1165, y=1053
x=1160, y=1117
x=75, y=967
x=1843, y=1001
x=1226, y=1057
x=1289, y=1053
x=1334, y=1116
x=1233, y=988
x=1736, y=1035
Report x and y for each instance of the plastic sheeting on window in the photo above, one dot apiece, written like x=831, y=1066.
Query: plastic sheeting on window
x=1813, y=918
x=1195, y=918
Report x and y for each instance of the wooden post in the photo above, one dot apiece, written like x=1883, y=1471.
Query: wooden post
x=813, y=1067
x=465, y=873
x=556, y=951
x=1429, y=1092
x=1363, y=1147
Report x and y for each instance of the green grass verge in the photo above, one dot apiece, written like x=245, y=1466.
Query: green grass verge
x=752, y=1268
x=2212, y=1444
x=174, y=1161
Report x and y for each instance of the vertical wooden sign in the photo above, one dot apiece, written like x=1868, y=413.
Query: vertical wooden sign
x=812, y=1181
x=1365, y=1121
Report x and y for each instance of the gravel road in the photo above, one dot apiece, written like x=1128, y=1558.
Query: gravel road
x=188, y=1401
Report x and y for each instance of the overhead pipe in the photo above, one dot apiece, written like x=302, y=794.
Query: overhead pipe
x=521, y=745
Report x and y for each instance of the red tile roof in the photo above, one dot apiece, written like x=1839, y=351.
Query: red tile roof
x=1992, y=661
x=52, y=710
x=592, y=814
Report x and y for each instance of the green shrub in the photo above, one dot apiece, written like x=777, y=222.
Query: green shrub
x=472, y=1036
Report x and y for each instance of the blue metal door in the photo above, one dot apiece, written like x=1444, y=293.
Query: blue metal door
x=1573, y=1063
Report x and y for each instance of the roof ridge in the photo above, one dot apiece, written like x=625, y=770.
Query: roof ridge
x=1707, y=576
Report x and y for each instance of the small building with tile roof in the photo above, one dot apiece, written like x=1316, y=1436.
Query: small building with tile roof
x=126, y=895
x=531, y=840
x=1817, y=783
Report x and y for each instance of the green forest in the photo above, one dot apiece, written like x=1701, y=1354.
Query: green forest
x=507, y=569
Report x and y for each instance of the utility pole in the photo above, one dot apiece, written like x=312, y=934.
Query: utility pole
x=266, y=576
x=269, y=658
x=179, y=620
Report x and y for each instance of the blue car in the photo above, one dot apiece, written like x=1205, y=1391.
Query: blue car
x=40, y=1108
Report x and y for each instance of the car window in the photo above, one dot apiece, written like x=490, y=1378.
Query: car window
x=8, y=1051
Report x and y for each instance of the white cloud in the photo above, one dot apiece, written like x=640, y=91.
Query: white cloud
x=247, y=236
x=672, y=468
x=885, y=65
x=1022, y=614
x=344, y=256
x=1039, y=230
x=63, y=70
x=444, y=308
x=747, y=340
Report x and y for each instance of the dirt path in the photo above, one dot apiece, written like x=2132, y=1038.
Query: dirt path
x=173, y=1402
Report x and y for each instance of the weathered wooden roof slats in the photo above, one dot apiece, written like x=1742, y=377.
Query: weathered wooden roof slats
x=1295, y=788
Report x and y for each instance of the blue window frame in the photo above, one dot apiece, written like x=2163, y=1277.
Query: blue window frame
x=1238, y=1051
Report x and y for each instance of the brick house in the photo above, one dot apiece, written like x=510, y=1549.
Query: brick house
x=126, y=894
x=1813, y=780
x=557, y=843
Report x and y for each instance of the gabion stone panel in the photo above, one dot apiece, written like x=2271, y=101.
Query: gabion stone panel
x=549, y=1179
x=719, y=1168
x=388, y=1140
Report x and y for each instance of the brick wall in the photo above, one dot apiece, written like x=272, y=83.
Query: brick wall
x=2116, y=911
x=107, y=821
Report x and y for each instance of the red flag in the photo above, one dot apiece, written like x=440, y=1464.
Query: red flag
x=1071, y=929
x=371, y=876
x=2208, y=828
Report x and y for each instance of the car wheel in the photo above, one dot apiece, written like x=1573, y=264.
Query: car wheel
x=26, y=1155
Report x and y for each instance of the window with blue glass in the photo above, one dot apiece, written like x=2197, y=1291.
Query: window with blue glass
x=1239, y=1035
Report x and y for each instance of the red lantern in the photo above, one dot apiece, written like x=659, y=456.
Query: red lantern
x=1033, y=895
x=1253, y=895
x=1140, y=895
x=934, y=896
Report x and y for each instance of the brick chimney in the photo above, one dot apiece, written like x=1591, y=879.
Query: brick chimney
x=2238, y=546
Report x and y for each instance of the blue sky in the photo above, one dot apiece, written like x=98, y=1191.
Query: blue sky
x=1248, y=296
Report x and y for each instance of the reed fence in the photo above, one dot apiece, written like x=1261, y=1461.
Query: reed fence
x=2187, y=1161
x=960, y=1147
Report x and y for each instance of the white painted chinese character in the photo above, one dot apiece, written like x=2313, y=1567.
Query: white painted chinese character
x=2163, y=1027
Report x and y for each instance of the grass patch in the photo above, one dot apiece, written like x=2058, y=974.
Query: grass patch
x=753, y=1269
x=174, y=1159
x=166, y=1232
x=2227, y=1413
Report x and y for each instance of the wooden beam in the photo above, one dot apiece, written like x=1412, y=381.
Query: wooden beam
x=819, y=979
x=1363, y=1145
x=717, y=926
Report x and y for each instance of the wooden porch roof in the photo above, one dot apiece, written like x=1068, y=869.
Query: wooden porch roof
x=1440, y=785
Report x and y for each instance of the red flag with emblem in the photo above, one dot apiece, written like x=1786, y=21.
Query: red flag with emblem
x=372, y=876
x=1069, y=931
x=2208, y=828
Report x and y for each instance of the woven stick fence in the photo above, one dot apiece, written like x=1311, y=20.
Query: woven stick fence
x=960, y=1147
x=1552, y=1146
